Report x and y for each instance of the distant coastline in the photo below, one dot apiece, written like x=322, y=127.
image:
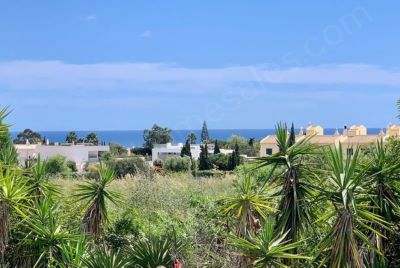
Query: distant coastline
x=129, y=138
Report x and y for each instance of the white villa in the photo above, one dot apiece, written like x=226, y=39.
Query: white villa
x=351, y=137
x=163, y=151
x=81, y=154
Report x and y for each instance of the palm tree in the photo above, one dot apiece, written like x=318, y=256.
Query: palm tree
x=246, y=205
x=269, y=248
x=353, y=220
x=192, y=138
x=292, y=176
x=96, y=193
x=384, y=171
x=71, y=137
x=13, y=192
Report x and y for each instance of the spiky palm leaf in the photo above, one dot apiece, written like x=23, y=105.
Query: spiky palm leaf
x=13, y=192
x=153, y=252
x=247, y=204
x=269, y=248
x=8, y=154
x=353, y=218
x=38, y=180
x=291, y=175
x=105, y=258
x=96, y=194
x=384, y=171
x=46, y=235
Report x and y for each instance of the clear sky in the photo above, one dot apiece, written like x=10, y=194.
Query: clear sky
x=105, y=65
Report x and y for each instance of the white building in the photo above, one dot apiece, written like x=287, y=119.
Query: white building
x=163, y=151
x=81, y=154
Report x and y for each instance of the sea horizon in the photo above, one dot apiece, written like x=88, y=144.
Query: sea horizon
x=134, y=138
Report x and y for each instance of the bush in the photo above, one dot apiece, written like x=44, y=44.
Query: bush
x=141, y=151
x=131, y=166
x=209, y=173
x=220, y=161
x=71, y=165
x=56, y=165
x=178, y=164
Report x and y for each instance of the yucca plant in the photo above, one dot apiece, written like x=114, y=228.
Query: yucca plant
x=154, y=252
x=249, y=205
x=352, y=218
x=8, y=154
x=291, y=174
x=105, y=258
x=96, y=194
x=41, y=187
x=13, y=194
x=384, y=172
x=269, y=249
x=46, y=235
x=72, y=252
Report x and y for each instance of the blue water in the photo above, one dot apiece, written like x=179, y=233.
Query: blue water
x=131, y=138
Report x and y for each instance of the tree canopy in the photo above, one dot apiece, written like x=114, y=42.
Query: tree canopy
x=204, y=133
x=156, y=135
x=28, y=135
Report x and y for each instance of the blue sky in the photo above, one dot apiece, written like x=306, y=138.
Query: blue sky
x=101, y=65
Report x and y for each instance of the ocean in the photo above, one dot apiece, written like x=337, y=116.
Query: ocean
x=134, y=138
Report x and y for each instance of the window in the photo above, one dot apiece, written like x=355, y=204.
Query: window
x=269, y=151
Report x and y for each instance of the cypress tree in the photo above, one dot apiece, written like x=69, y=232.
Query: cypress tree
x=292, y=137
x=234, y=159
x=216, y=148
x=204, y=162
x=186, y=149
x=204, y=132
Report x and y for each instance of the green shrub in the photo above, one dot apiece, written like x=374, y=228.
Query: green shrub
x=71, y=165
x=209, y=173
x=220, y=161
x=178, y=164
x=131, y=166
x=56, y=165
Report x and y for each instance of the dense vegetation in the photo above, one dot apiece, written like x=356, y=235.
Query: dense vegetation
x=305, y=206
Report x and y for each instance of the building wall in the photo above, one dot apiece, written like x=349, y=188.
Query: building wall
x=77, y=153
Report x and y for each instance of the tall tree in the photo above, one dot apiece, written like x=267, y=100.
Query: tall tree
x=96, y=194
x=28, y=135
x=398, y=108
x=251, y=142
x=292, y=137
x=204, y=161
x=216, y=148
x=186, y=149
x=291, y=179
x=192, y=138
x=71, y=137
x=92, y=138
x=204, y=133
x=234, y=159
x=156, y=135
x=353, y=222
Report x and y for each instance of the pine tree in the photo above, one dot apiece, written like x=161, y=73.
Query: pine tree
x=186, y=149
x=292, y=137
x=204, y=162
x=204, y=132
x=216, y=148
